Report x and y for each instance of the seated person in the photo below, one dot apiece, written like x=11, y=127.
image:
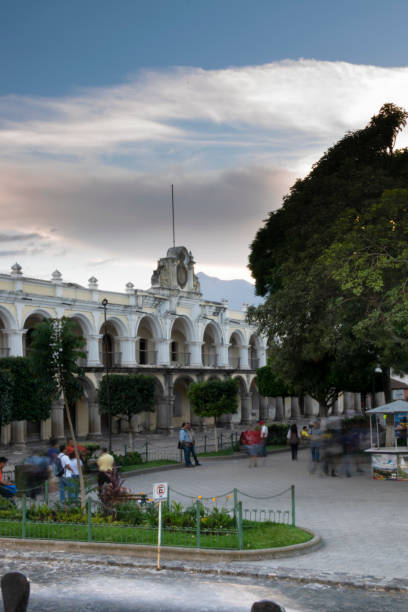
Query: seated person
x=7, y=489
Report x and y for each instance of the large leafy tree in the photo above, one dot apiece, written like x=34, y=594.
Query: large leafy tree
x=213, y=398
x=310, y=325
x=128, y=394
x=54, y=354
x=31, y=396
x=6, y=396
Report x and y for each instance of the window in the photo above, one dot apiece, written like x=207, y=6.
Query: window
x=143, y=356
x=173, y=351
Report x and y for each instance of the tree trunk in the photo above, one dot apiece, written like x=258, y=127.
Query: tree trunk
x=323, y=409
x=77, y=455
x=386, y=375
x=215, y=434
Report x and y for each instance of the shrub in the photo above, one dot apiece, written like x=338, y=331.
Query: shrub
x=277, y=434
x=132, y=458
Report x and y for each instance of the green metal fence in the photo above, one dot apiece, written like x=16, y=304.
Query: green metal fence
x=218, y=522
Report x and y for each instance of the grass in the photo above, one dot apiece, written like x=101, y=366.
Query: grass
x=148, y=464
x=256, y=535
x=220, y=453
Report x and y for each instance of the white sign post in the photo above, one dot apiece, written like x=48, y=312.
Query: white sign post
x=160, y=494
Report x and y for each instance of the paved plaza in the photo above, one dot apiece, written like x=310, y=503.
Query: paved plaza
x=360, y=520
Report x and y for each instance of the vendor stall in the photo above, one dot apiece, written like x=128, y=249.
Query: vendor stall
x=389, y=462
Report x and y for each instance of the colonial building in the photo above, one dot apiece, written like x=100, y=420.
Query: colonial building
x=168, y=331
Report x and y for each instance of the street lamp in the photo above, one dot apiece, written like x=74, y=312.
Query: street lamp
x=104, y=304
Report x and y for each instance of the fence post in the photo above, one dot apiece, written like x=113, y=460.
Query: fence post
x=221, y=440
x=147, y=452
x=125, y=450
x=232, y=442
x=240, y=528
x=168, y=497
x=205, y=443
x=198, y=521
x=236, y=507
x=46, y=490
x=292, y=490
x=89, y=504
x=24, y=508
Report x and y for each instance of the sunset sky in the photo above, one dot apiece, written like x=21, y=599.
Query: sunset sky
x=105, y=104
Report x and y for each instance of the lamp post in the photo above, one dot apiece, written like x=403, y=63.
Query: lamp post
x=104, y=304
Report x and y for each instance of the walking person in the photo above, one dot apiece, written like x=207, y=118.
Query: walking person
x=105, y=464
x=293, y=439
x=191, y=435
x=185, y=442
x=264, y=438
x=315, y=442
x=65, y=467
x=74, y=479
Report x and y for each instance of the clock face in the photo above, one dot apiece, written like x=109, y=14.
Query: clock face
x=181, y=275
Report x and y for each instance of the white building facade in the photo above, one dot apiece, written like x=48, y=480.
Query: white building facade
x=168, y=331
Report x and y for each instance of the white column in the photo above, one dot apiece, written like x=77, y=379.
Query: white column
x=243, y=357
x=92, y=345
x=94, y=420
x=194, y=349
x=15, y=340
x=18, y=434
x=128, y=351
x=262, y=357
x=163, y=352
x=222, y=355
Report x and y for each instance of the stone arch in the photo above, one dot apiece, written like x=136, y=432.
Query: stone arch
x=7, y=322
x=254, y=347
x=255, y=400
x=148, y=334
x=182, y=337
x=85, y=411
x=109, y=343
x=181, y=409
x=211, y=341
x=31, y=320
x=236, y=342
x=83, y=329
x=242, y=395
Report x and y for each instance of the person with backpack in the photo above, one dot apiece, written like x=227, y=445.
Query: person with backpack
x=293, y=440
x=63, y=471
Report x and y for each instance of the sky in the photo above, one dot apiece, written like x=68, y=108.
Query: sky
x=104, y=104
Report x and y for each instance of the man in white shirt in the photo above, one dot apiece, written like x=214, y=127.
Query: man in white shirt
x=264, y=438
x=64, y=479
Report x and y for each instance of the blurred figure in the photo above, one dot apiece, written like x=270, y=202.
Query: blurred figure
x=315, y=442
x=191, y=435
x=293, y=440
x=7, y=489
x=74, y=480
x=264, y=438
x=37, y=471
x=105, y=464
x=251, y=442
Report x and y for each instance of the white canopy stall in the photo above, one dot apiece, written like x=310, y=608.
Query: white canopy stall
x=390, y=462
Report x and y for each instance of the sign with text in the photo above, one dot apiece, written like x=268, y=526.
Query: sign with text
x=160, y=491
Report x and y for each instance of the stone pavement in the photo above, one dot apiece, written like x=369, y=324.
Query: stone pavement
x=361, y=521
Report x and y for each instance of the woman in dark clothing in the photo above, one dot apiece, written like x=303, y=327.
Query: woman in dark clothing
x=293, y=440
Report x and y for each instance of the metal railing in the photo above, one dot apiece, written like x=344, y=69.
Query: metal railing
x=209, y=360
x=110, y=360
x=234, y=362
x=147, y=357
x=182, y=359
x=253, y=363
x=219, y=522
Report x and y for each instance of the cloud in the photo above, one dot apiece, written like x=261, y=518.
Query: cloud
x=96, y=167
x=194, y=108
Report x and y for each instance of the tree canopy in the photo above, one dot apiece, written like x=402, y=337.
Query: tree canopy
x=213, y=398
x=129, y=394
x=304, y=259
x=31, y=396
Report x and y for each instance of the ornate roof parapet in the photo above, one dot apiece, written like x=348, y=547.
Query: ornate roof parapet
x=176, y=271
x=130, y=288
x=56, y=277
x=16, y=270
x=93, y=283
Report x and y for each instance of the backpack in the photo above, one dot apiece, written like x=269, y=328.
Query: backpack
x=59, y=468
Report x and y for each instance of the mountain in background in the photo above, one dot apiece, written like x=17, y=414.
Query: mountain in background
x=235, y=291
